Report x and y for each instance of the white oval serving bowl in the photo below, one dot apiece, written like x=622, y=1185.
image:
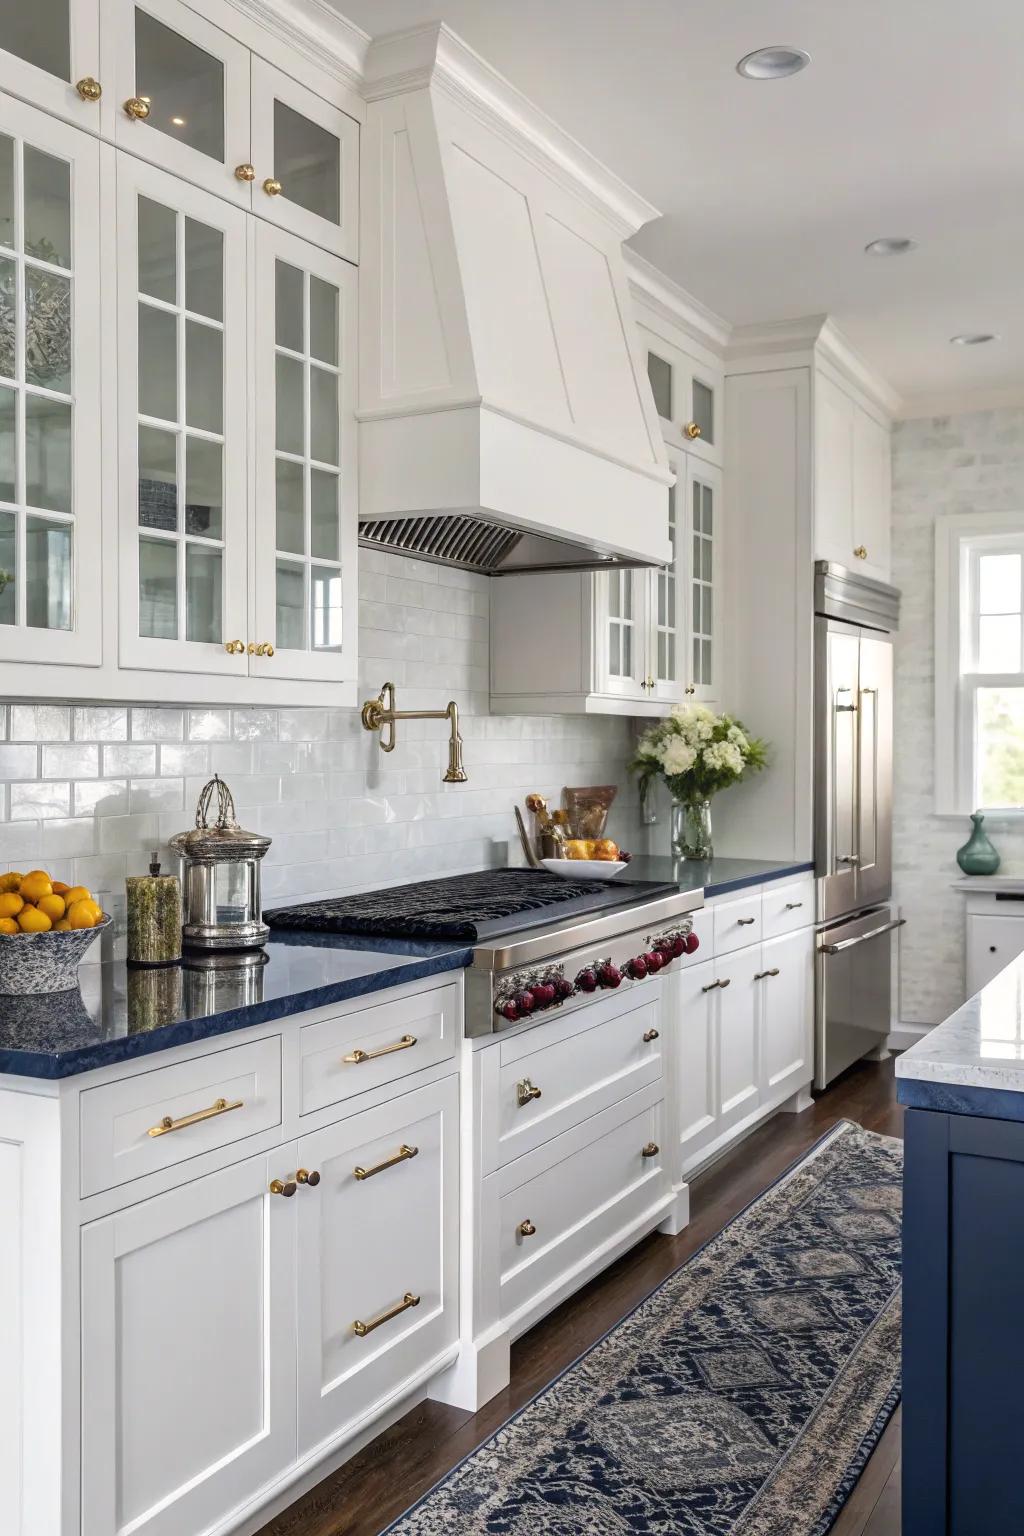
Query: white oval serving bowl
x=585, y=869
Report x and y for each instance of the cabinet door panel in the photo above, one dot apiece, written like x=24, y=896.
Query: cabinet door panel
x=188, y=1353
x=872, y=494
x=182, y=92
x=381, y=1225
x=992, y=942
x=306, y=156
x=787, y=1014
x=697, y=1056
x=622, y=617
x=182, y=414
x=739, y=1069
x=669, y=636
x=50, y=570
x=701, y=537
x=48, y=47
x=833, y=473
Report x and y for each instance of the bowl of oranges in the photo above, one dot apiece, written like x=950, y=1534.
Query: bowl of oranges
x=46, y=927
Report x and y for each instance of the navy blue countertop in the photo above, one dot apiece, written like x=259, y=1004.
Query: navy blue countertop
x=717, y=876
x=119, y=1014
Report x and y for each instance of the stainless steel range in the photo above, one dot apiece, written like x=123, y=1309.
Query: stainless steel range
x=540, y=943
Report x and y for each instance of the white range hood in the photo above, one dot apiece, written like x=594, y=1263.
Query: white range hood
x=506, y=420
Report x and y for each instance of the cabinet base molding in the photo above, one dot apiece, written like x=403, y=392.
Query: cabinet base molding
x=481, y=1371
x=801, y=1100
x=678, y=1214
x=737, y=1133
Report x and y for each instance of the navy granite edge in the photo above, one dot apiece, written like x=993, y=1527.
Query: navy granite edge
x=960, y=1099
x=54, y=1065
x=781, y=872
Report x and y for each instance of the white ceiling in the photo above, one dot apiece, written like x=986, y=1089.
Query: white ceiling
x=909, y=121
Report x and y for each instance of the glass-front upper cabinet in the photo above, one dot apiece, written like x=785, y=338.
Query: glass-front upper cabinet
x=305, y=155
x=305, y=530
x=701, y=540
x=687, y=396
x=666, y=602
x=182, y=424
x=50, y=566
x=50, y=56
x=182, y=93
x=622, y=608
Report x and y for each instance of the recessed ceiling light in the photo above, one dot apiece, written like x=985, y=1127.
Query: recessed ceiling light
x=891, y=245
x=773, y=63
x=973, y=338
x=179, y=122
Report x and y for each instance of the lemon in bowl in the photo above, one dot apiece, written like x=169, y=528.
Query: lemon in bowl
x=46, y=926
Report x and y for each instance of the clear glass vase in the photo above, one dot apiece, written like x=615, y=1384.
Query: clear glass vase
x=691, y=829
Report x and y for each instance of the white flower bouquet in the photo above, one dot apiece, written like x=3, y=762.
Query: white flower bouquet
x=697, y=753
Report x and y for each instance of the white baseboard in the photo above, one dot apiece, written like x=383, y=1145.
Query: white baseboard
x=903, y=1035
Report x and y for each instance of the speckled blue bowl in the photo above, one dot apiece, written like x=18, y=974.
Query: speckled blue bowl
x=43, y=962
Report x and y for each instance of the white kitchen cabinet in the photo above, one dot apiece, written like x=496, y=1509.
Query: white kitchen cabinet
x=46, y=51
x=872, y=493
x=50, y=504
x=852, y=481
x=992, y=942
x=378, y=1244
x=688, y=395
x=696, y=1006
x=188, y=1352
x=786, y=980
x=739, y=1037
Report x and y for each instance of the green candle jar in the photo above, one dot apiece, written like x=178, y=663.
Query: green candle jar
x=154, y=917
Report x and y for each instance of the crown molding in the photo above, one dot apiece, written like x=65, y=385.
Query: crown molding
x=433, y=56
x=673, y=304
x=961, y=402
x=820, y=337
x=836, y=349
x=316, y=31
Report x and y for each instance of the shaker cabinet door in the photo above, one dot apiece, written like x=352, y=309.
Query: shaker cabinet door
x=700, y=535
x=50, y=558
x=622, y=610
x=188, y=1352
x=305, y=153
x=181, y=89
x=305, y=535
x=787, y=1014
x=667, y=592
x=50, y=56
x=182, y=421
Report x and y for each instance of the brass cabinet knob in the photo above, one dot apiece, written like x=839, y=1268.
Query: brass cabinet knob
x=235, y=647
x=245, y=173
x=263, y=649
x=691, y=430
x=649, y=1035
x=286, y=1187
x=650, y=683
x=526, y=1228
x=861, y=552
x=526, y=1092
x=690, y=688
x=308, y=1176
x=89, y=89
x=651, y=1150
x=272, y=187
x=138, y=107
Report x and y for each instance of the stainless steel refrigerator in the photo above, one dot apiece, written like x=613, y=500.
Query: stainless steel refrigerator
x=855, y=620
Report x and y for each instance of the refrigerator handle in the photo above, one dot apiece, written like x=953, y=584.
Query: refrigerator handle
x=862, y=938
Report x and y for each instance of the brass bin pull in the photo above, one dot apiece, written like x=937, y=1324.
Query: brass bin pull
x=649, y=1035
x=401, y=1156
x=526, y=1092
x=218, y=1107
x=361, y=1329
x=355, y=1058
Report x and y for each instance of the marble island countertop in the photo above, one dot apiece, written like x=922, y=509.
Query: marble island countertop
x=973, y=1063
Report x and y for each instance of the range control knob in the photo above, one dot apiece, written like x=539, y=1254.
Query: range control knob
x=636, y=969
x=586, y=981
x=665, y=950
x=678, y=943
x=654, y=960
x=525, y=1001
x=691, y=943
x=563, y=988
x=543, y=994
x=609, y=975
x=507, y=1010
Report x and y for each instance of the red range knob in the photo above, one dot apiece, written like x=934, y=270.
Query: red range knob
x=543, y=994
x=666, y=952
x=655, y=960
x=690, y=943
x=678, y=945
x=524, y=1002
x=586, y=981
x=637, y=968
x=508, y=1011
x=563, y=989
x=609, y=975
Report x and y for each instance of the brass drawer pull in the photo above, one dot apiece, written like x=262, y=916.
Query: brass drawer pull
x=760, y=975
x=649, y=1035
x=526, y=1092
x=361, y=1329
x=651, y=1150
x=401, y=1156
x=713, y=984
x=526, y=1228
x=355, y=1058
x=791, y=906
x=218, y=1107
x=286, y=1187
x=745, y=922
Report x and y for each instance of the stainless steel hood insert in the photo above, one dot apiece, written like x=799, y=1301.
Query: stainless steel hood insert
x=477, y=544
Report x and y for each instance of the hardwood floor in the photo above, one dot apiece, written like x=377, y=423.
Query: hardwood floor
x=363, y=1496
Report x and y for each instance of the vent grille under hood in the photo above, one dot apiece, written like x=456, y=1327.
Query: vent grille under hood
x=475, y=544
x=506, y=421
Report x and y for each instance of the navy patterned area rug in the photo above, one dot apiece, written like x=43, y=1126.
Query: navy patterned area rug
x=742, y=1398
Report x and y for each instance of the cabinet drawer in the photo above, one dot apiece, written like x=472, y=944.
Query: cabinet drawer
x=144, y=1123
x=787, y=907
x=561, y=1205
x=356, y=1051
x=377, y=1254
x=992, y=942
x=545, y=1086
x=737, y=923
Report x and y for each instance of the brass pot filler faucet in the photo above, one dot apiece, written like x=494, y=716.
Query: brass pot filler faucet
x=380, y=714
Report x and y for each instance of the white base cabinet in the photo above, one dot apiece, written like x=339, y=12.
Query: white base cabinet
x=994, y=927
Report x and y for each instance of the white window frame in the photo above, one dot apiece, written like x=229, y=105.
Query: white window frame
x=959, y=541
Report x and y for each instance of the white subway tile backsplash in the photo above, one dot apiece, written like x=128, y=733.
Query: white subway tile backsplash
x=342, y=814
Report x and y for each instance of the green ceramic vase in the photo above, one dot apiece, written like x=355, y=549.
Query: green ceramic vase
x=977, y=856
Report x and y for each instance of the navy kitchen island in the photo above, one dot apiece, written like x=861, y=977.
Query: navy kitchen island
x=963, y=1258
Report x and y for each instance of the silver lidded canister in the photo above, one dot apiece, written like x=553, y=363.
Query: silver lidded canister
x=221, y=876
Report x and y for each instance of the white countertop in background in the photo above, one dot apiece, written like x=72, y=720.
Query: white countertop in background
x=979, y=1046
